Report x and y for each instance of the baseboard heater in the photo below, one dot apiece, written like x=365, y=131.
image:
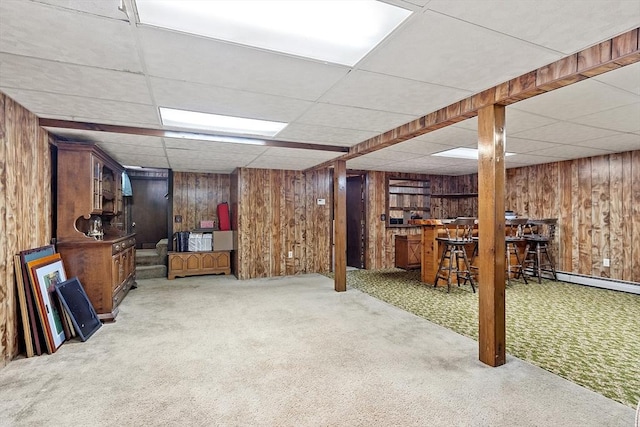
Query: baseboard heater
x=598, y=282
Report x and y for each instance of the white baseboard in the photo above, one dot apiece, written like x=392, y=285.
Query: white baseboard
x=598, y=282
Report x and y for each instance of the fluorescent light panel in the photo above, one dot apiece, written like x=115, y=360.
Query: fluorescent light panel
x=463, y=153
x=218, y=123
x=341, y=32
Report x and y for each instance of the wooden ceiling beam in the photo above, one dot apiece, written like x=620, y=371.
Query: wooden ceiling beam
x=598, y=59
x=201, y=136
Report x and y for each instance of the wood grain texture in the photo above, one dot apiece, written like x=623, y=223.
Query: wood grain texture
x=25, y=205
x=340, y=225
x=491, y=233
x=600, y=192
x=596, y=202
x=196, y=197
x=277, y=213
x=635, y=216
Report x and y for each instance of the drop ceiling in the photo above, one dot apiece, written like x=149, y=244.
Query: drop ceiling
x=86, y=61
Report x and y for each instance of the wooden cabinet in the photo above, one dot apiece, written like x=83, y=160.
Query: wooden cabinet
x=106, y=269
x=408, y=251
x=89, y=204
x=183, y=264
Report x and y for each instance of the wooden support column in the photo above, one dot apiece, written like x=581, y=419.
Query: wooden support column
x=340, y=224
x=491, y=233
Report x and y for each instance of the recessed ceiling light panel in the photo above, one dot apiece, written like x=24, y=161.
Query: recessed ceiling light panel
x=341, y=32
x=217, y=123
x=463, y=153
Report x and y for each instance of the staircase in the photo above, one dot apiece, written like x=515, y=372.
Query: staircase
x=152, y=263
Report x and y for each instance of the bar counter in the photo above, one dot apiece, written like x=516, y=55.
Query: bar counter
x=431, y=248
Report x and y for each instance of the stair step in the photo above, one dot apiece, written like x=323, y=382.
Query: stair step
x=151, y=271
x=148, y=257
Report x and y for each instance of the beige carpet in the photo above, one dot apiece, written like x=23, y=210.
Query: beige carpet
x=283, y=352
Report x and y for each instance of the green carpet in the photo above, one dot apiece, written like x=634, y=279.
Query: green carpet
x=587, y=335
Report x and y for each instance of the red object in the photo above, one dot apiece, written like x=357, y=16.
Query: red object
x=223, y=216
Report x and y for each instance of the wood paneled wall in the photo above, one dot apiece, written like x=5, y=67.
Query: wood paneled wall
x=597, y=203
x=196, y=197
x=278, y=213
x=25, y=205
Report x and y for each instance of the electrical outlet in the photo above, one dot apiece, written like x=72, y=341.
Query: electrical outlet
x=606, y=262
x=290, y=254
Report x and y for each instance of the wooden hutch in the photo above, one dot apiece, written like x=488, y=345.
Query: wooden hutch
x=90, y=234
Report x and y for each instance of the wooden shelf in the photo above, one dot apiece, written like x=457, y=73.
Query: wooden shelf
x=409, y=208
x=454, y=195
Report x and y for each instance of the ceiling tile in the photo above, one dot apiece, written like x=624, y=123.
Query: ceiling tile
x=625, y=78
x=199, y=146
x=358, y=119
x=230, y=102
x=563, y=133
x=104, y=8
x=617, y=143
x=387, y=93
x=39, y=30
x=455, y=54
x=21, y=72
x=83, y=109
x=324, y=135
x=576, y=100
x=548, y=23
x=133, y=150
x=183, y=57
x=419, y=146
x=522, y=145
x=141, y=160
x=568, y=152
x=452, y=136
x=623, y=119
x=533, y=159
x=318, y=155
x=277, y=162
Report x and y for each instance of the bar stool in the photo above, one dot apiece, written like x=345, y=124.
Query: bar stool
x=537, y=259
x=454, y=251
x=515, y=228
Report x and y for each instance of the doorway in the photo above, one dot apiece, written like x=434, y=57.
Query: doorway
x=355, y=221
x=149, y=205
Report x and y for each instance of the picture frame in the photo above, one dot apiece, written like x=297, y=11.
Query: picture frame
x=78, y=306
x=45, y=273
x=38, y=335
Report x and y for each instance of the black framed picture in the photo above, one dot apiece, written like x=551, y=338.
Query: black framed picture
x=76, y=302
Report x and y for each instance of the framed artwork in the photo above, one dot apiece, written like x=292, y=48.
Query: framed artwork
x=45, y=273
x=38, y=336
x=76, y=303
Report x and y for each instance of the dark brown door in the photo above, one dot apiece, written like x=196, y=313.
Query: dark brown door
x=355, y=221
x=149, y=210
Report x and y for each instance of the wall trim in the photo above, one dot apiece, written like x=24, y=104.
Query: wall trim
x=598, y=282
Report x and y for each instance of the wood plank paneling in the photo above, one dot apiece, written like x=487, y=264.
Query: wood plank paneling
x=635, y=216
x=597, y=203
x=600, y=210
x=585, y=225
x=278, y=213
x=25, y=205
x=196, y=197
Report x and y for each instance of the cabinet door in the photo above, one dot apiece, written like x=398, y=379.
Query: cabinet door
x=209, y=260
x=96, y=184
x=117, y=271
x=223, y=260
x=177, y=263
